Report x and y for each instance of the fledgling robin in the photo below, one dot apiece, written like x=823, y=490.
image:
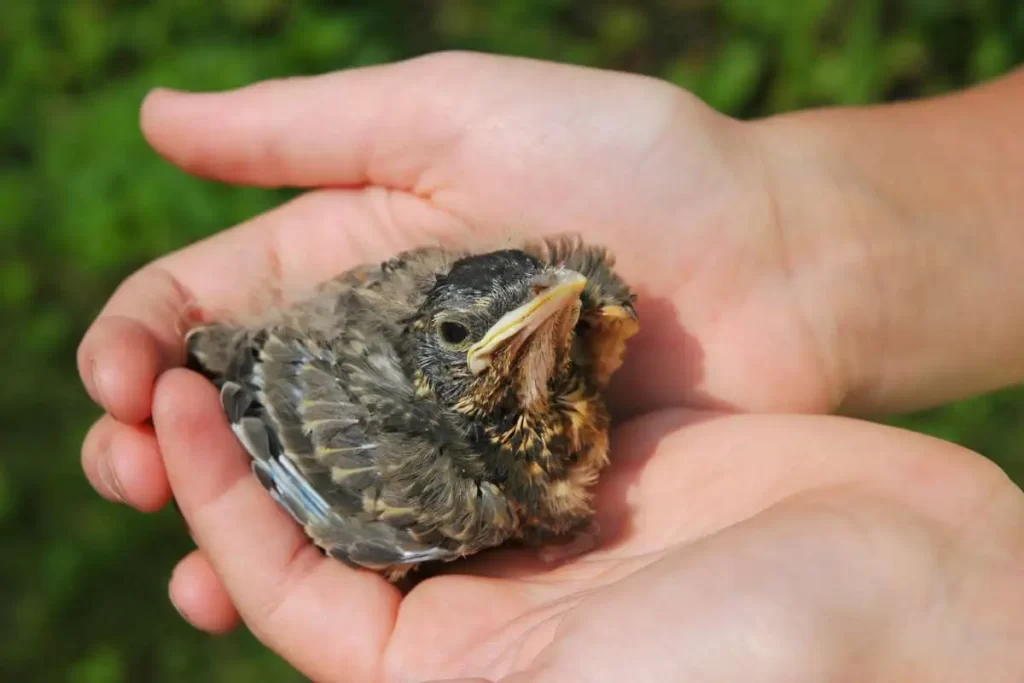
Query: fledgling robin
x=433, y=405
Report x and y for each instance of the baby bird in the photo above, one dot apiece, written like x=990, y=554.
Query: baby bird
x=434, y=405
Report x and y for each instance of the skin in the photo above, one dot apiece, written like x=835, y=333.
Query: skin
x=771, y=260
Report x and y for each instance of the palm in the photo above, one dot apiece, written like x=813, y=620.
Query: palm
x=492, y=614
x=712, y=520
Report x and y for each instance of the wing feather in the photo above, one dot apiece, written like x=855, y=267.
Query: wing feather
x=320, y=401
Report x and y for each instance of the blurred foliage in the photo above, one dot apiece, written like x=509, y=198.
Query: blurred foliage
x=83, y=202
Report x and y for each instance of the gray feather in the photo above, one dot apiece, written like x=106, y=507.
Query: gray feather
x=320, y=401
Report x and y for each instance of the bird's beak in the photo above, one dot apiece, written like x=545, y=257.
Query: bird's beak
x=624, y=314
x=614, y=327
x=621, y=319
x=556, y=291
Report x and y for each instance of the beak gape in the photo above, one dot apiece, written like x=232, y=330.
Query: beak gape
x=551, y=313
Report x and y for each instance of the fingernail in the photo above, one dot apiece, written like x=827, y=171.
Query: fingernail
x=109, y=477
x=97, y=386
x=170, y=598
x=89, y=380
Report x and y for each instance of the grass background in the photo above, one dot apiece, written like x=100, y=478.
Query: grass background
x=83, y=202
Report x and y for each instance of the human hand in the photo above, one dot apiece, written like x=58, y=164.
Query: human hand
x=740, y=547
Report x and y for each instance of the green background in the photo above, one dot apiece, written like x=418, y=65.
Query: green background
x=83, y=202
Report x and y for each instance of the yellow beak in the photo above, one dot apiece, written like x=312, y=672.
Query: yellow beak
x=624, y=319
x=558, y=290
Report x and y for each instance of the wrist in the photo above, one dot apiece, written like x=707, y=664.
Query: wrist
x=825, y=213
x=908, y=258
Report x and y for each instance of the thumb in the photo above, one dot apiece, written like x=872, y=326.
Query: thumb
x=381, y=124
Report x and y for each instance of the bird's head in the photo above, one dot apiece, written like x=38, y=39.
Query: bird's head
x=494, y=332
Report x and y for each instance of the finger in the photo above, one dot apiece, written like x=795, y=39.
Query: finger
x=125, y=349
x=286, y=251
x=122, y=462
x=139, y=333
x=320, y=615
x=273, y=133
x=96, y=460
x=199, y=596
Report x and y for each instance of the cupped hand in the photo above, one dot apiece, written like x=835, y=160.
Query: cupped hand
x=735, y=548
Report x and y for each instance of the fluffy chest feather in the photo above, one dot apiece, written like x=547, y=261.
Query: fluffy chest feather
x=547, y=460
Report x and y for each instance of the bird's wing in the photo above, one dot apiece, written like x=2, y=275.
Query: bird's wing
x=337, y=434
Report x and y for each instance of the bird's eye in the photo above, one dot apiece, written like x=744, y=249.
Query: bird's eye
x=453, y=333
x=582, y=327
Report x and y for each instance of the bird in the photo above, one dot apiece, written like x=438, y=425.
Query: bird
x=433, y=405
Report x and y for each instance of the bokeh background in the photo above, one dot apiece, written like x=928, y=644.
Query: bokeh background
x=83, y=202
